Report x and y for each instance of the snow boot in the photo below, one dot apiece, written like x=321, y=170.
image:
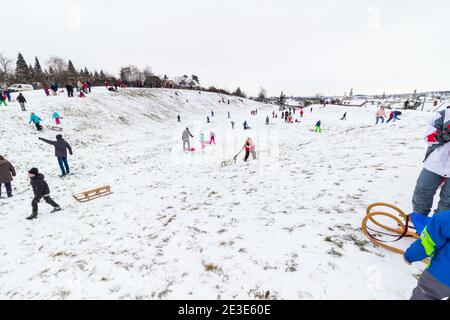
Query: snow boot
x=33, y=216
x=56, y=210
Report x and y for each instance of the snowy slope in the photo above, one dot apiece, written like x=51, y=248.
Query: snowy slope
x=180, y=227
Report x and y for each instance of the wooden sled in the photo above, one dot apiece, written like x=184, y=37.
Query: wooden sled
x=93, y=194
x=54, y=128
x=399, y=229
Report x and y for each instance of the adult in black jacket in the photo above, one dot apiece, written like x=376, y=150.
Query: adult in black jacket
x=61, y=147
x=40, y=190
x=21, y=99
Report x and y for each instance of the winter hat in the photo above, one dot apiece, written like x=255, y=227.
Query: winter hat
x=34, y=171
x=59, y=137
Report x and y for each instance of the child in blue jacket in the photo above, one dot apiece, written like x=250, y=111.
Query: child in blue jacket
x=36, y=120
x=434, y=243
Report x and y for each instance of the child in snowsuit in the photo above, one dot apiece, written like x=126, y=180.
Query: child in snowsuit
x=394, y=116
x=434, y=243
x=213, y=138
x=7, y=172
x=202, y=140
x=232, y=125
x=36, y=120
x=318, y=128
x=40, y=190
x=246, y=127
x=267, y=121
x=380, y=115
x=8, y=95
x=249, y=148
x=56, y=117
x=61, y=147
x=301, y=114
x=436, y=167
x=21, y=99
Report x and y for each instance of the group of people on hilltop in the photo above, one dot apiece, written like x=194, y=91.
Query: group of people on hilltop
x=40, y=187
x=82, y=87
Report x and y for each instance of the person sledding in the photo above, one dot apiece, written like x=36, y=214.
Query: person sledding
x=245, y=124
x=249, y=147
x=179, y=118
x=36, y=120
x=21, y=100
x=7, y=172
x=434, y=243
x=41, y=191
x=187, y=135
x=61, y=148
x=344, y=117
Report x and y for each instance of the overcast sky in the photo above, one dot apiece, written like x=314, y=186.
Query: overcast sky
x=301, y=47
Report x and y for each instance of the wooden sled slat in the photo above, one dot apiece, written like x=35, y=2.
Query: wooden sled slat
x=53, y=128
x=400, y=218
x=90, y=195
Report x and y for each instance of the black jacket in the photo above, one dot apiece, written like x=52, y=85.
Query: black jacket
x=40, y=187
x=61, y=147
x=21, y=99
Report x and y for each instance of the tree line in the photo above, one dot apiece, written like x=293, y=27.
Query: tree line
x=58, y=69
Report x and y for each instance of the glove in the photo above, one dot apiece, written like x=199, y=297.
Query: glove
x=443, y=136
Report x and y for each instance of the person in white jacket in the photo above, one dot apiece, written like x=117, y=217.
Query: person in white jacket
x=436, y=170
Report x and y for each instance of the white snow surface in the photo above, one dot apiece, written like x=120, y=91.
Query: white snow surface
x=178, y=226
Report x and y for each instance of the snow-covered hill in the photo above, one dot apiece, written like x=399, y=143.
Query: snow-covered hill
x=178, y=226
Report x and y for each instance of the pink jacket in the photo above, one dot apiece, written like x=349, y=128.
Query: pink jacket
x=381, y=113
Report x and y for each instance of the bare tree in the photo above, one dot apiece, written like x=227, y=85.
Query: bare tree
x=262, y=95
x=5, y=64
x=148, y=72
x=5, y=68
x=57, y=64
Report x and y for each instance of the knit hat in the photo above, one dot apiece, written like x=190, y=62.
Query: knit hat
x=34, y=171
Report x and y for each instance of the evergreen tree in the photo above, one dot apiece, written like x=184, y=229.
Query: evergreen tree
x=282, y=99
x=22, y=72
x=71, y=68
x=239, y=93
x=37, y=66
